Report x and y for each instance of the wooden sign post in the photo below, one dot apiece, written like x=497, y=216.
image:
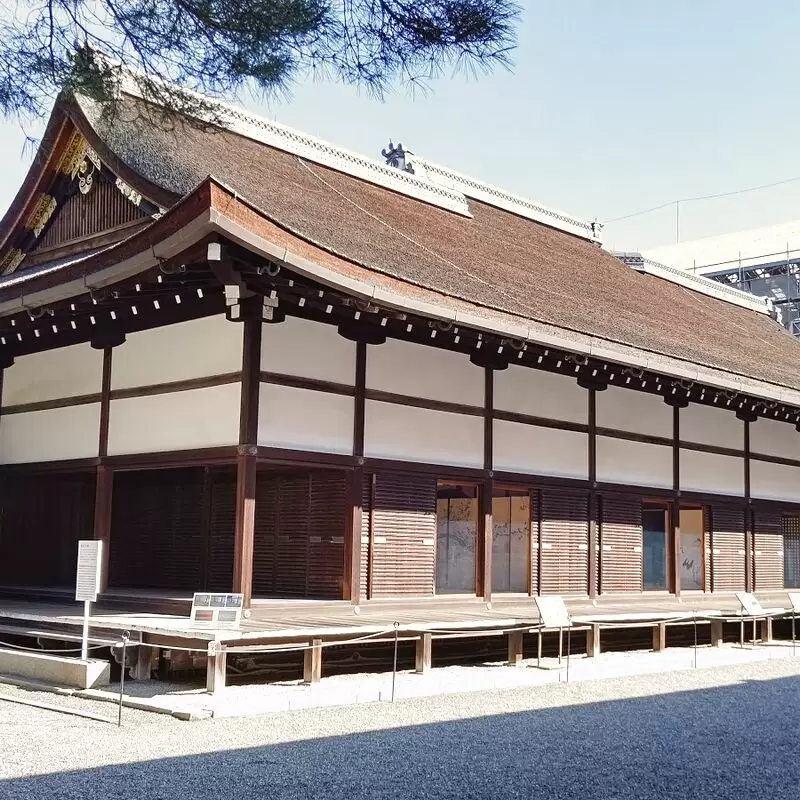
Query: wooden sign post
x=87, y=583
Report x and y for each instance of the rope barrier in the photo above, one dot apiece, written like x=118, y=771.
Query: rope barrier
x=56, y=651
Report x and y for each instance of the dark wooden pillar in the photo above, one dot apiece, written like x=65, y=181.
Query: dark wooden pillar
x=749, y=521
x=594, y=549
x=487, y=489
x=675, y=507
x=352, y=568
x=246, y=461
x=104, y=479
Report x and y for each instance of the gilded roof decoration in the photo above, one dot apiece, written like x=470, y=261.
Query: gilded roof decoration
x=12, y=259
x=80, y=161
x=41, y=214
x=74, y=155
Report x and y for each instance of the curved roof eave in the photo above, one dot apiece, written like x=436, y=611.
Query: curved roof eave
x=200, y=213
x=37, y=174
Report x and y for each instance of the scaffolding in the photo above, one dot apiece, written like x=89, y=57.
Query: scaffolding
x=772, y=275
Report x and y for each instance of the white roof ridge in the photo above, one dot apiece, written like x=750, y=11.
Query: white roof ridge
x=697, y=283
x=495, y=196
x=439, y=186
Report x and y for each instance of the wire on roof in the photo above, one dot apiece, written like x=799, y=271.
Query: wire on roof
x=702, y=197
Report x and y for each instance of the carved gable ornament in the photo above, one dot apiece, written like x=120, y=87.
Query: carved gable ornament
x=80, y=161
x=11, y=260
x=41, y=214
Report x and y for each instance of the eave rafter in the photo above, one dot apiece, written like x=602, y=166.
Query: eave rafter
x=189, y=286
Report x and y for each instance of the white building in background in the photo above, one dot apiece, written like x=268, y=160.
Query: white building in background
x=764, y=261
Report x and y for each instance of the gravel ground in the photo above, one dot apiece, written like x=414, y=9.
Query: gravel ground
x=726, y=732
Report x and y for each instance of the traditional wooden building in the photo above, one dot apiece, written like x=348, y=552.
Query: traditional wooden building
x=249, y=360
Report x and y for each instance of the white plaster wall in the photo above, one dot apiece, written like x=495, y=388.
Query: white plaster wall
x=53, y=435
x=709, y=425
x=637, y=412
x=707, y=472
x=635, y=463
x=540, y=451
x=419, y=434
x=195, y=349
x=773, y=438
x=305, y=420
x=420, y=371
x=65, y=372
x=540, y=394
x=774, y=481
x=308, y=349
x=175, y=420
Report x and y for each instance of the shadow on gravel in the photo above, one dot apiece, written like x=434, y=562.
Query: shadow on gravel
x=736, y=741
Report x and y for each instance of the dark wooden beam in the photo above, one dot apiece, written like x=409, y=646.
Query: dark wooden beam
x=593, y=564
x=205, y=528
x=353, y=555
x=487, y=489
x=104, y=478
x=247, y=461
x=360, y=403
x=748, y=513
x=675, y=506
x=105, y=402
x=351, y=589
x=104, y=485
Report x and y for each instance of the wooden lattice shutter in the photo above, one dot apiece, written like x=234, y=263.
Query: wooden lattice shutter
x=564, y=543
x=791, y=551
x=620, y=534
x=327, y=517
x=291, y=554
x=727, y=549
x=265, y=535
x=708, y=582
x=404, y=535
x=768, y=550
x=43, y=517
x=156, y=530
x=221, y=531
x=366, y=554
x=536, y=506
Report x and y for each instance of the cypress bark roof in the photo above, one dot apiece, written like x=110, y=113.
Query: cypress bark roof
x=489, y=259
x=495, y=259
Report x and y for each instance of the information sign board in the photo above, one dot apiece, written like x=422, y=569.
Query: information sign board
x=553, y=611
x=90, y=562
x=216, y=610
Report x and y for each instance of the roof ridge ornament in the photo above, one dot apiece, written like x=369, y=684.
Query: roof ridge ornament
x=396, y=157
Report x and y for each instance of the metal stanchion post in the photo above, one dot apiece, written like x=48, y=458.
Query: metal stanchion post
x=793, y=632
x=125, y=639
x=560, y=644
x=394, y=664
x=694, y=614
x=569, y=648
x=539, y=649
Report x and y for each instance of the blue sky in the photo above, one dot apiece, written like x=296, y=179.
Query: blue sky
x=613, y=106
